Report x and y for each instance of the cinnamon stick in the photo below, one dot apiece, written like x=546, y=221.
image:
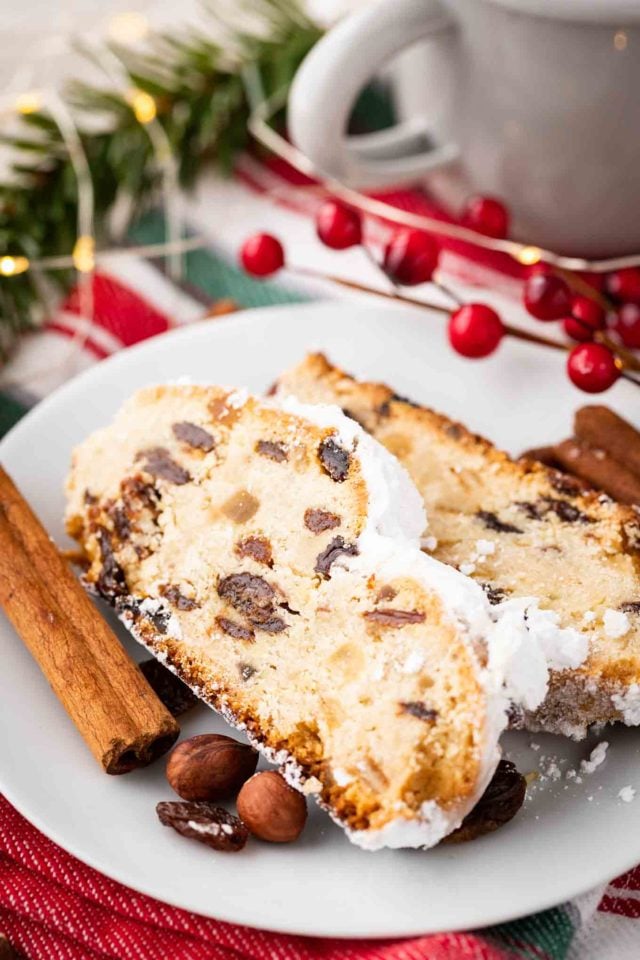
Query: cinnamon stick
x=545, y=455
x=113, y=707
x=600, y=469
x=602, y=429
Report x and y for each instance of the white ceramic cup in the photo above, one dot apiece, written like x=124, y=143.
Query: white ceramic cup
x=545, y=110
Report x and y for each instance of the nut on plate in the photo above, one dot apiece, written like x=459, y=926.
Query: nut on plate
x=271, y=809
x=210, y=766
x=499, y=803
x=204, y=822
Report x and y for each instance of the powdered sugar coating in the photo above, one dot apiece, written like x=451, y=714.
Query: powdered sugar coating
x=628, y=703
x=616, y=624
x=596, y=757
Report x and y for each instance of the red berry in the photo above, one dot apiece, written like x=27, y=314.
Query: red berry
x=486, y=215
x=338, y=226
x=592, y=367
x=624, y=285
x=546, y=296
x=261, y=255
x=626, y=324
x=475, y=330
x=410, y=257
x=587, y=316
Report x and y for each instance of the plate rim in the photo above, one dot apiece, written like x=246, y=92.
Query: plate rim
x=126, y=357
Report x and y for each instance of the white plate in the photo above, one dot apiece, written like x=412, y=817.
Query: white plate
x=568, y=838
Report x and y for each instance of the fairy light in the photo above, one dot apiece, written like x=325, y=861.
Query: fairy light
x=84, y=257
x=29, y=102
x=10, y=266
x=142, y=104
x=128, y=27
x=620, y=40
x=529, y=255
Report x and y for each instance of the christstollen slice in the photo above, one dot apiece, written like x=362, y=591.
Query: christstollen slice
x=532, y=537
x=270, y=556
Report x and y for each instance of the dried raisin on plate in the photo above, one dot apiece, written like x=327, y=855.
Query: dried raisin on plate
x=204, y=821
x=499, y=803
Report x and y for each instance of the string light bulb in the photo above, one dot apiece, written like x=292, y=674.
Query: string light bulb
x=10, y=266
x=84, y=256
x=29, y=102
x=620, y=40
x=128, y=27
x=142, y=104
x=529, y=255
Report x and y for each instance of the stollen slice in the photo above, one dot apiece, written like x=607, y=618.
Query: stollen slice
x=526, y=533
x=270, y=556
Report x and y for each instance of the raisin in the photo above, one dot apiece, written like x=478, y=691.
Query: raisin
x=454, y=430
x=272, y=450
x=111, y=582
x=159, y=618
x=498, y=804
x=388, y=617
x=319, y=520
x=249, y=594
x=193, y=436
x=235, y=630
x=334, y=459
x=121, y=522
x=254, y=597
x=418, y=709
x=285, y=606
x=176, y=695
x=272, y=625
x=492, y=522
x=135, y=488
x=203, y=821
x=258, y=548
x=89, y=499
x=494, y=594
x=632, y=606
x=176, y=598
x=534, y=511
x=566, y=511
x=330, y=554
x=246, y=671
x=159, y=463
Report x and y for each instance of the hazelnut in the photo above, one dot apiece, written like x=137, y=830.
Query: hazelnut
x=210, y=767
x=271, y=809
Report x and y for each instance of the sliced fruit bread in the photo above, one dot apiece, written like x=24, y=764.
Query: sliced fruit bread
x=271, y=558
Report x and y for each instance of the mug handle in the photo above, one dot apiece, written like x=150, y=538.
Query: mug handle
x=331, y=77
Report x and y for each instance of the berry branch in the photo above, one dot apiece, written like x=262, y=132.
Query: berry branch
x=601, y=315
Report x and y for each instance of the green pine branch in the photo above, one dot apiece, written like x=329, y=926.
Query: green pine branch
x=201, y=101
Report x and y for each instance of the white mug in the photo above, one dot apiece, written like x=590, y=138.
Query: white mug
x=544, y=113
